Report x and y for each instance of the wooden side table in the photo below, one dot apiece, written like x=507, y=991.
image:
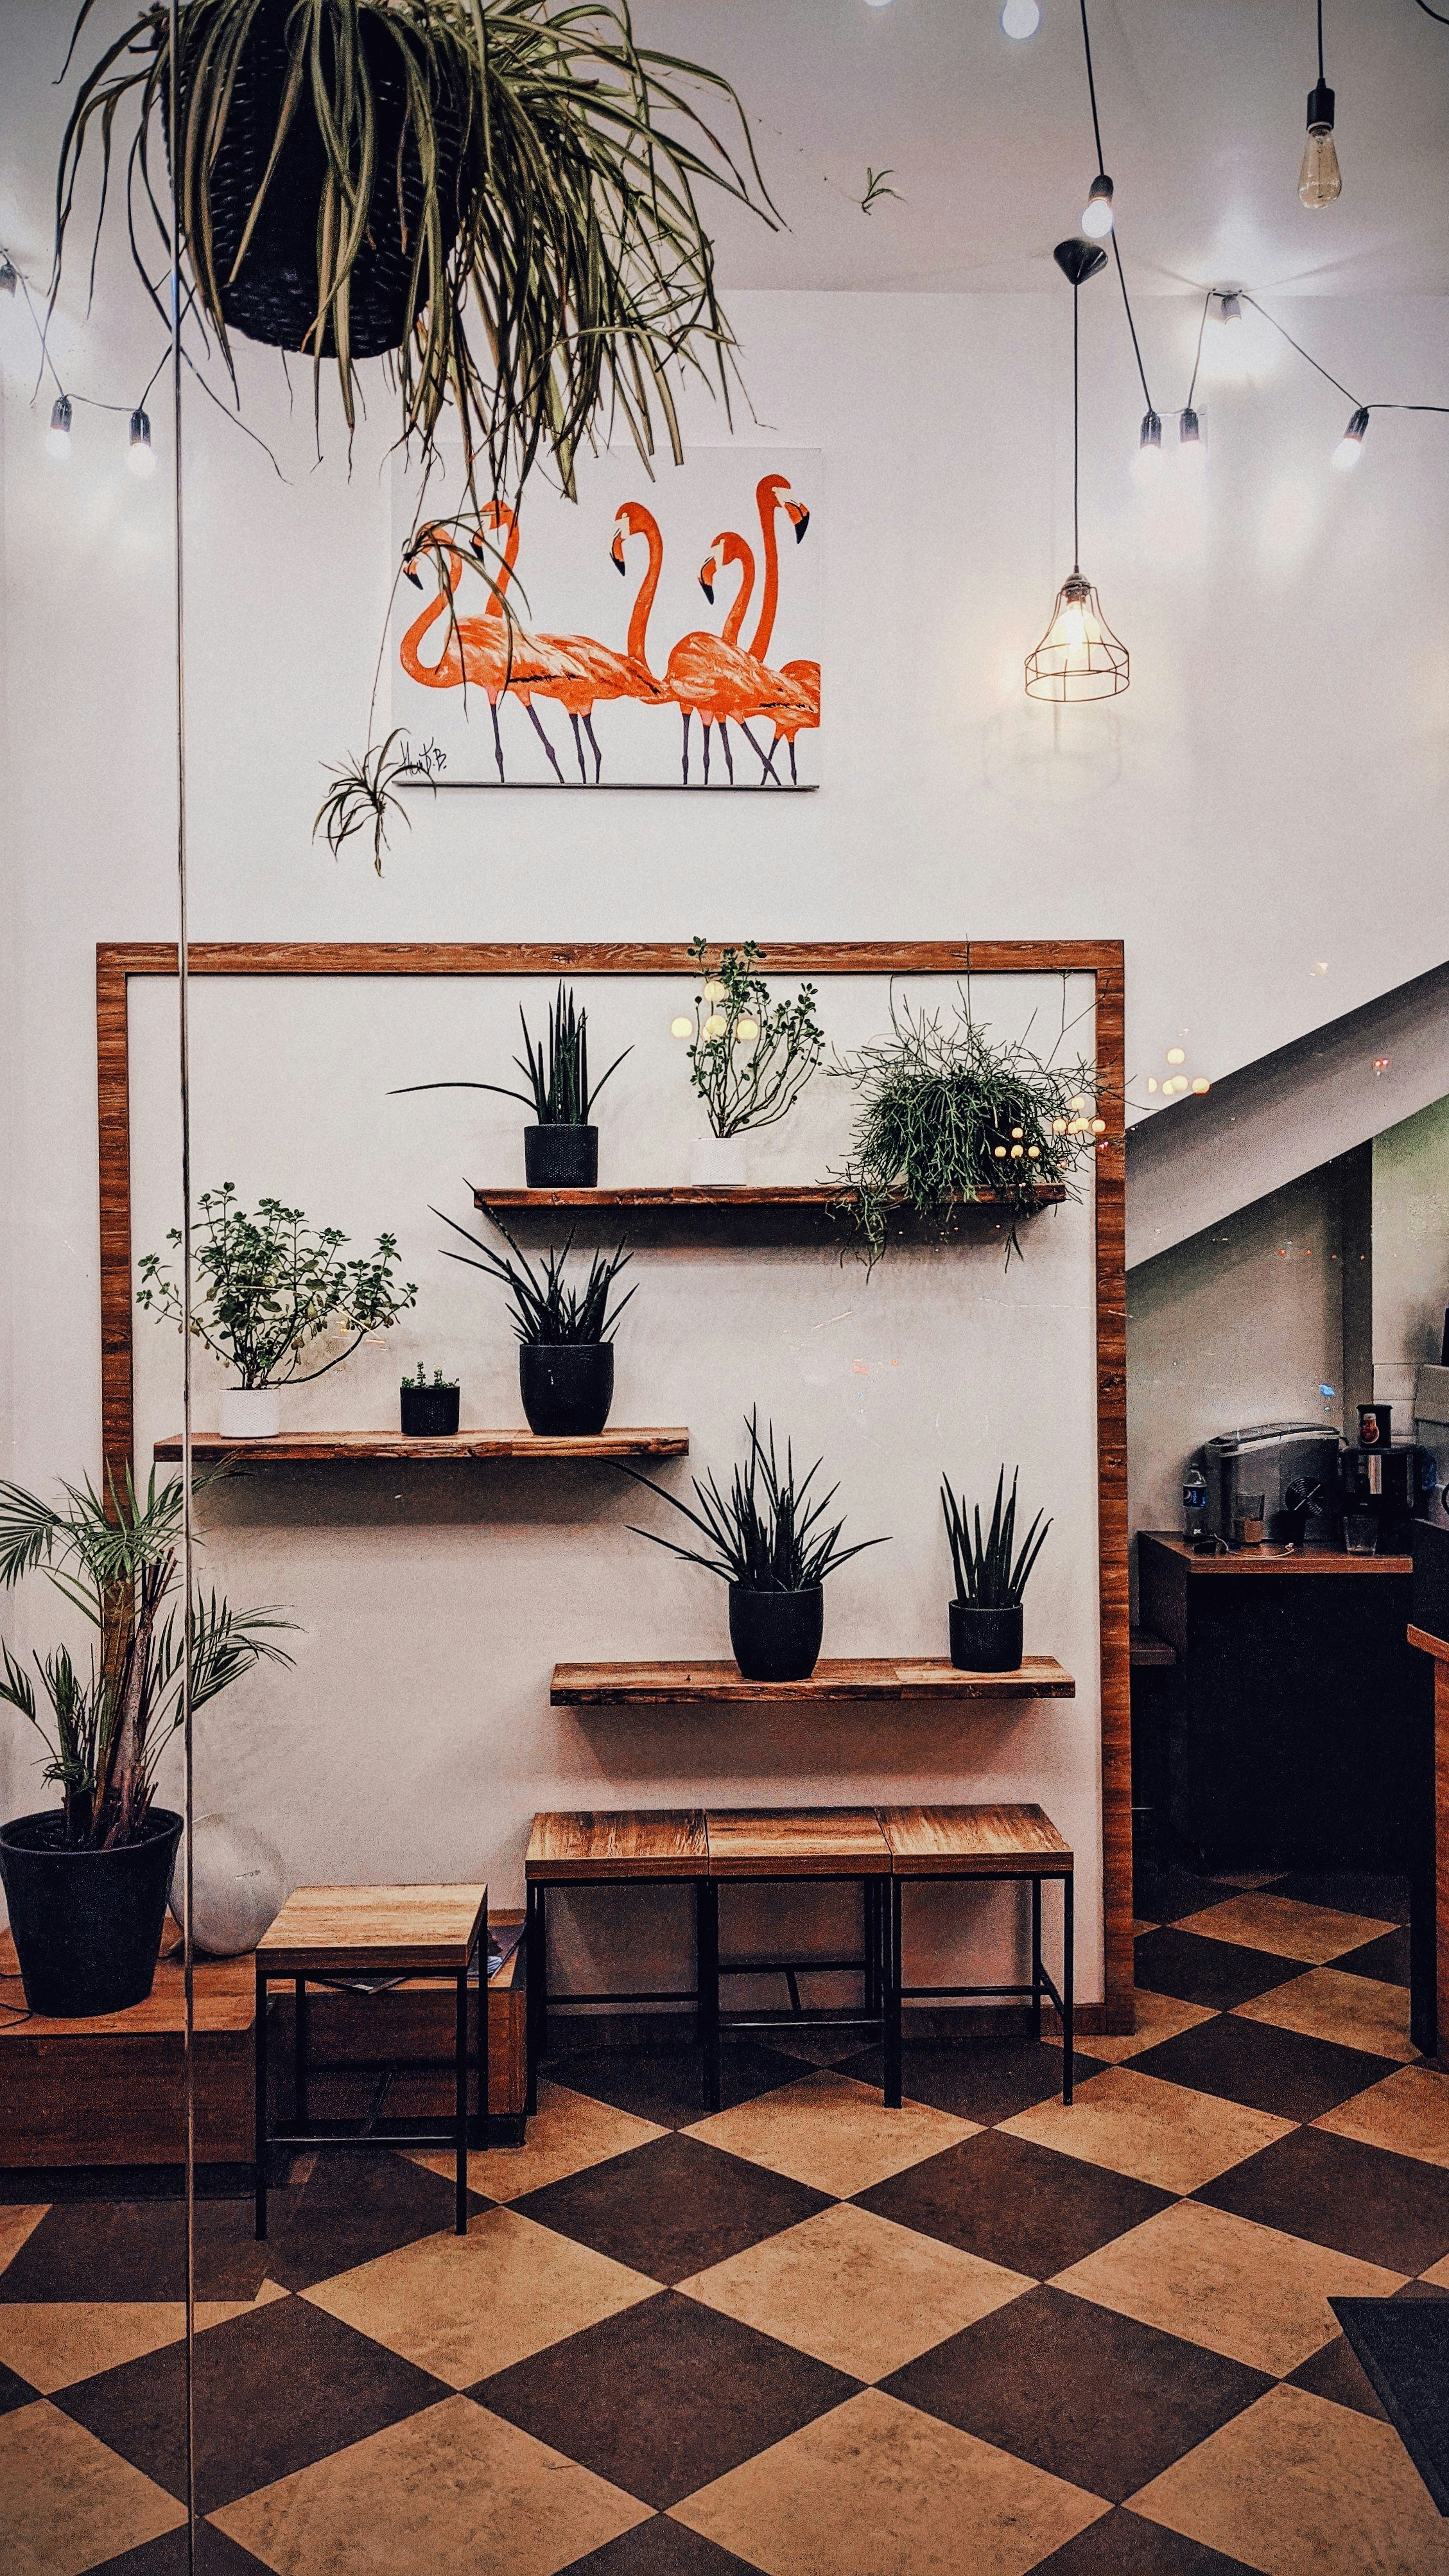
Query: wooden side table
x=979, y=1843
x=779, y=1846
x=607, y=1848
x=328, y=1935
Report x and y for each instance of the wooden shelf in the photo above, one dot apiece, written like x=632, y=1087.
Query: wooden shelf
x=325, y=1448
x=713, y=1212
x=706, y=1685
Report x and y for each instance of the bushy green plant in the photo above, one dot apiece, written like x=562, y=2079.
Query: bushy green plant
x=556, y=1070
x=749, y=1058
x=269, y=1285
x=116, y=1562
x=546, y=1305
x=765, y=1534
x=946, y=1113
x=986, y=1574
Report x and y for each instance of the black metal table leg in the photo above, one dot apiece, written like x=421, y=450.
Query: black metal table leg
x=537, y=2004
x=460, y=2107
x=300, y=2106
x=707, y=1982
x=870, y=1936
x=1036, y=1960
x=259, y=2130
x=894, y=1970
x=1068, y=1971
x=481, y=2124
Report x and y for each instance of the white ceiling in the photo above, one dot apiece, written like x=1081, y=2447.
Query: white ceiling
x=990, y=142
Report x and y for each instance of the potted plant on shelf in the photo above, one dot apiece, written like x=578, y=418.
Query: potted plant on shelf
x=946, y=1114
x=271, y=1286
x=749, y=1058
x=765, y=1538
x=986, y=1615
x=86, y=1881
x=566, y=1350
x=561, y=1151
x=429, y=1412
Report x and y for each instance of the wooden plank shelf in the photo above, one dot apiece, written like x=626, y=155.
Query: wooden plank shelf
x=697, y=1194
x=717, y=1214
x=706, y=1684
x=307, y=1448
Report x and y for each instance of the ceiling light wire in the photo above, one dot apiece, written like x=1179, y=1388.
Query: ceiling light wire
x=1197, y=360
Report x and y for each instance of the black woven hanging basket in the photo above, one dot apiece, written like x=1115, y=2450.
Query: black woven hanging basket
x=273, y=297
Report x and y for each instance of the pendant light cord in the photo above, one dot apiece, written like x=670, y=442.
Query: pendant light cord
x=1197, y=355
x=1320, y=43
x=1101, y=165
x=1092, y=85
x=1076, y=442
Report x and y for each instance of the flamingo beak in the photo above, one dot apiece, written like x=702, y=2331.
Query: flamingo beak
x=706, y=582
x=801, y=517
x=414, y=577
x=616, y=551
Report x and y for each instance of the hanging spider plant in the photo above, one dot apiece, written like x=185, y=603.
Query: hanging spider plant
x=362, y=796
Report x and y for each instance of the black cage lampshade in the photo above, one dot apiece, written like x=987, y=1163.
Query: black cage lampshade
x=1079, y=657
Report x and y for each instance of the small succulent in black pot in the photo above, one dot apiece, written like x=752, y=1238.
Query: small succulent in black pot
x=991, y=1579
x=566, y=1353
x=429, y=1411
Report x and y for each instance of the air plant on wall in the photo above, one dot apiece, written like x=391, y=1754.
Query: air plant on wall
x=362, y=793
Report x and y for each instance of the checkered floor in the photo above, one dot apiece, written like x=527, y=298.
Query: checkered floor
x=982, y=2334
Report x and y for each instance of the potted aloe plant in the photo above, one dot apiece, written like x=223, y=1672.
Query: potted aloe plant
x=429, y=1412
x=561, y=1149
x=86, y=1880
x=566, y=1350
x=749, y=1058
x=766, y=1540
x=991, y=1579
x=269, y=1288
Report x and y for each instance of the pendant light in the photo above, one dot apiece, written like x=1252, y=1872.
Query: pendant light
x=1319, y=178
x=1079, y=657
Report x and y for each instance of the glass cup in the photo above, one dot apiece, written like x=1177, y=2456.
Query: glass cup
x=1249, y=1526
x=1361, y=1533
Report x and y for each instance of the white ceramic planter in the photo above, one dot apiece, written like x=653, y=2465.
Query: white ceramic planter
x=250, y=1413
x=722, y=1160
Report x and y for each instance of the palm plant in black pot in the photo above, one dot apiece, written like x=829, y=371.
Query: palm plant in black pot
x=566, y=1353
x=991, y=1579
x=561, y=1150
x=768, y=1540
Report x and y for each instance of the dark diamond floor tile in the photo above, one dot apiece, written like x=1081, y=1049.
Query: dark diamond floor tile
x=1386, y=1959
x=1123, y=2544
x=1420, y=2290
x=1267, y=2069
x=1165, y=1895
x=216, y=2555
x=1199, y=1971
x=1361, y=2200
x=274, y=2391
x=661, y=2548
x=672, y=2207
x=352, y=2208
x=1335, y=2371
x=1014, y=2203
x=1349, y=1891
x=985, y=2080
x=137, y=2250
x=1081, y=2392
x=665, y=2085
x=666, y=2397
x=14, y=2392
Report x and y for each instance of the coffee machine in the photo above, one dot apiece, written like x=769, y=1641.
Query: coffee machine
x=1394, y=1485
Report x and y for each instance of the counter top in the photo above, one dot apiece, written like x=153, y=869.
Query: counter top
x=1269, y=1560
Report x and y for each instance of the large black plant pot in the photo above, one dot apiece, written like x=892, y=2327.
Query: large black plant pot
x=428, y=1412
x=273, y=297
x=985, y=1641
x=87, y=1924
x=776, y=1635
x=567, y=1387
x=561, y=1158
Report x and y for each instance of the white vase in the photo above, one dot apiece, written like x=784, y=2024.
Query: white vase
x=720, y=1160
x=239, y=1886
x=250, y=1413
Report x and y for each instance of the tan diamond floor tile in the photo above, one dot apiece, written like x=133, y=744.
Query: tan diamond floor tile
x=566, y=2135
x=1408, y=2113
x=877, y=2489
x=1438, y=2273
x=1300, y=2487
x=465, y=2306
x=15, y=2226
x=1356, y=2012
x=1284, y=1927
x=1159, y=2133
x=66, y=2502
x=1247, y=2291
x=54, y=2343
x=1159, y=2017
x=856, y=2291
x=833, y=2133
x=451, y=2492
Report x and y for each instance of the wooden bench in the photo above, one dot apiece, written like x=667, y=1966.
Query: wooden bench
x=771, y=1846
x=608, y=1849
x=978, y=1843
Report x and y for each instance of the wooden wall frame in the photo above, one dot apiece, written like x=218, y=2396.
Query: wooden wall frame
x=1102, y=959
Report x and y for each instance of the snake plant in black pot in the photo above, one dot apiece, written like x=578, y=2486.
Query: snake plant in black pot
x=561, y=1149
x=566, y=1353
x=991, y=1579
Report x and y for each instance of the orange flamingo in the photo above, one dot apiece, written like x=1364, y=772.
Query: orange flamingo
x=709, y=676
x=485, y=652
x=804, y=677
x=603, y=672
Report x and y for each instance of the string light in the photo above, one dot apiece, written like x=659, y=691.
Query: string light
x=1097, y=214
x=747, y=1028
x=1177, y=1055
x=57, y=437
x=681, y=1028
x=1020, y=19
x=141, y=456
x=1148, y=462
x=716, y=1025
x=1190, y=450
x=1350, y=446
x=9, y=277
x=714, y=991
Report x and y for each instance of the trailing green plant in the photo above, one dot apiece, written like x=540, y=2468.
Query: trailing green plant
x=546, y=1305
x=766, y=1533
x=269, y=1285
x=946, y=1113
x=991, y=1572
x=363, y=793
x=749, y=1058
x=116, y=1561
x=422, y=1379
x=556, y=1070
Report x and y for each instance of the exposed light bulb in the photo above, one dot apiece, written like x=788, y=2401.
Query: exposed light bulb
x=57, y=437
x=1177, y=1055
x=1147, y=463
x=1020, y=18
x=714, y=990
x=1229, y=305
x=1189, y=442
x=1201, y=1085
x=8, y=279
x=1319, y=178
x=747, y=1028
x=681, y=1028
x=1350, y=446
x=716, y=1025
x=141, y=455
x=1097, y=212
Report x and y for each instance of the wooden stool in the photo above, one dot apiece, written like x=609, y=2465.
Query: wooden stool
x=780, y=1845
x=331, y=1934
x=607, y=1850
x=978, y=1843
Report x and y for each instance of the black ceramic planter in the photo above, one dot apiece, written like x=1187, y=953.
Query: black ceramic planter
x=561, y=1158
x=567, y=1387
x=87, y=1924
x=428, y=1412
x=776, y=1635
x=985, y=1641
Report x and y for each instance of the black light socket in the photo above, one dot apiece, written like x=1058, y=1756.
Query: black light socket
x=1320, y=108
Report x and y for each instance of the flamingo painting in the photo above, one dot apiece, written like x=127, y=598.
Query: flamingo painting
x=711, y=677
x=487, y=652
